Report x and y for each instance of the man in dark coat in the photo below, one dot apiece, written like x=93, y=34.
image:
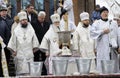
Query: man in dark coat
x=31, y=15
x=41, y=27
x=96, y=14
x=5, y=25
x=5, y=29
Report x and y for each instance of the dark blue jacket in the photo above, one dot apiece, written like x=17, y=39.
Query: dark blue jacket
x=5, y=28
x=95, y=15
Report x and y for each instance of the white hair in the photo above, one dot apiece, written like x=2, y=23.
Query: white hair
x=41, y=13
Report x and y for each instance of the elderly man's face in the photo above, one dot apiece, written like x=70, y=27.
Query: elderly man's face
x=118, y=21
x=41, y=18
x=57, y=23
x=104, y=15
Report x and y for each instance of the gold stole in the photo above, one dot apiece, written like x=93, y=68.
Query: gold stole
x=3, y=61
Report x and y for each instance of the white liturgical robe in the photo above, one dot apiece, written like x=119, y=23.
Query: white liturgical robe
x=50, y=44
x=22, y=41
x=71, y=25
x=68, y=5
x=118, y=37
x=83, y=43
x=104, y=40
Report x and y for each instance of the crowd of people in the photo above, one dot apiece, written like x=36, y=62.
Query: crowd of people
x=29, y=38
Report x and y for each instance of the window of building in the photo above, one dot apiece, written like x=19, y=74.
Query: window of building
x=39, y=5
x=53, y=6
x=24, y=3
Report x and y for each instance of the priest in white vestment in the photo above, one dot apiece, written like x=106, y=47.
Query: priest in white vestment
x=117, y=18
x=105, y=33
x=23, y=43
x=3, y=3
x=65, y=21
x=66, y=6
x=118, y=21
x=50, y=42
x=82, y=41
x=116, y=55
x=119, y=39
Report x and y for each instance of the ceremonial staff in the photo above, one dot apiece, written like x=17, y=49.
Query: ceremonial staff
x=66, y=22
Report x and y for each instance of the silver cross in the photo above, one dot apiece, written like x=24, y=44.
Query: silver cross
x=24, y=38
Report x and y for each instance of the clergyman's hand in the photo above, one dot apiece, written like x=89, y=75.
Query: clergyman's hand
x=119, y=50
x=106, y=31
x=47, y=54
x=14, y=54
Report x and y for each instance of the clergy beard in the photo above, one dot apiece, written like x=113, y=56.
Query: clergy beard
x=85, y=25
x=24, y=25
x=105, y=19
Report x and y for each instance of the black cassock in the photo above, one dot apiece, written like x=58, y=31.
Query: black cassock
x=40, y=30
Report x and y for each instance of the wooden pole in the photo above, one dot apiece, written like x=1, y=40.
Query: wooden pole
x=66, y=22
x=55, y=6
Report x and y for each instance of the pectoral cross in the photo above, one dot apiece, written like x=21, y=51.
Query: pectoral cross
x=88, y=38
x=58, y=28
x=24, y=38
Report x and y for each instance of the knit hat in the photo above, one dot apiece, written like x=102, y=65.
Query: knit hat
x=3, y=8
